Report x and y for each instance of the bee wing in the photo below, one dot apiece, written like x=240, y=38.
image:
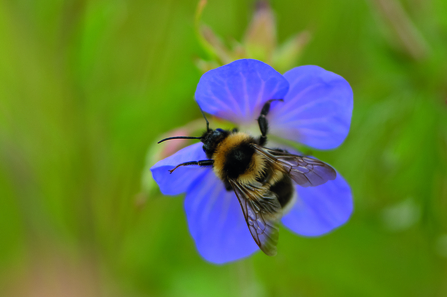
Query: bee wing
x=261, y=212
x=306, y=172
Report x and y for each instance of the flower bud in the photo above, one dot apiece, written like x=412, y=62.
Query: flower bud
x=260, y=37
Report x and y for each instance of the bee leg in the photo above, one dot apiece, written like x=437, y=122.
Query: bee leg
x=200, y=163
x=262, y=121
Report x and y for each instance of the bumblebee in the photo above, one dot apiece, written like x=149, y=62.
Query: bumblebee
x=261, y=177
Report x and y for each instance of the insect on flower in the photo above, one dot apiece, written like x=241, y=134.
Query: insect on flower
x=238, y=186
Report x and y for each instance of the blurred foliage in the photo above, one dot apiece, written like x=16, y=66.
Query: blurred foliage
x=87, y=86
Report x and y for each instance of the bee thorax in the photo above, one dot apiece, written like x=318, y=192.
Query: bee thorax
x=235, y=158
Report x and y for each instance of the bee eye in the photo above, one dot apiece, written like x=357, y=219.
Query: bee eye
x=220, y=130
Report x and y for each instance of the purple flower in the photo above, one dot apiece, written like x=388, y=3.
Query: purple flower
x=316, y=112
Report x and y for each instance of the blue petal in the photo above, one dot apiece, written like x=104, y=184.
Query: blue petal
x=237, y=91
x=183, y=177
x=317, y=110
x=216, y=222
x=321, y=209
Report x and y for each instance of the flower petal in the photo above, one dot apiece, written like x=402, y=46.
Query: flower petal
x=183, y=177
x=317, y=109
x=237, y=91
x=216, y=222
x=321, y=209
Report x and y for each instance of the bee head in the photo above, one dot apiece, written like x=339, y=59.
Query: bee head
x=211, y=139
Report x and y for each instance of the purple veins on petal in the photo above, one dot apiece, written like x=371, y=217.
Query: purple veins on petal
x=183, y=177
x=216, y=222
x=237, y=91
x=317, y=109
x=319, y=210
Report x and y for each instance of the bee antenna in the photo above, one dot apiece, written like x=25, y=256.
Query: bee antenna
x=179, y=137
x=207, y=123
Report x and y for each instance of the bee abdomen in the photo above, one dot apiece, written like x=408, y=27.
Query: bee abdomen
x=284, y=190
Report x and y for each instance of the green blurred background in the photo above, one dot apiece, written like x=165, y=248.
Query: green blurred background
x=86, y=87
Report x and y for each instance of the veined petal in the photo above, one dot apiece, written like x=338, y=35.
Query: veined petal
x=320, y=209
x=183, y=177
x=216, y=222
x=238, y=91
x=317, y=109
